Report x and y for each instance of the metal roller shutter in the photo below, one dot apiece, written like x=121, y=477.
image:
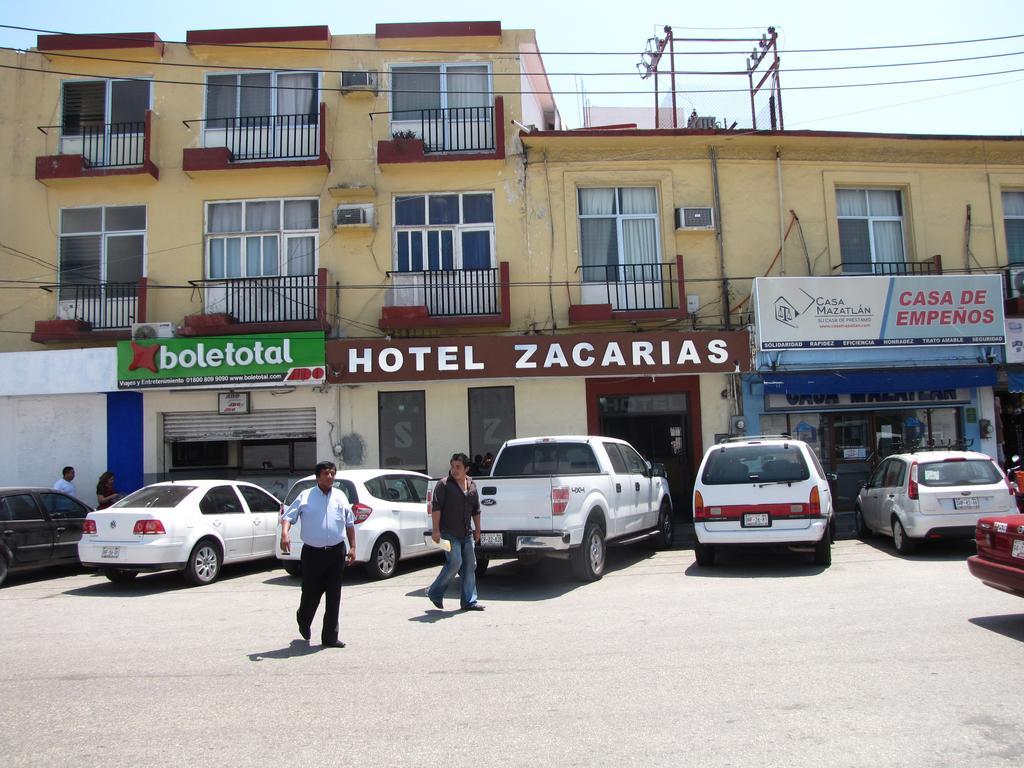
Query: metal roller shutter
x=200, y=426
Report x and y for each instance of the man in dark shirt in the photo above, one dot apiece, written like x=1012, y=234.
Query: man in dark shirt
x=455, y=512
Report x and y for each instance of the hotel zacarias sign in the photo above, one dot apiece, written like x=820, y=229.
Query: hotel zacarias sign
x=259, y=360
x=358, y=361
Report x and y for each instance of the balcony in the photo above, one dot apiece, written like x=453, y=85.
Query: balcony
x=458, y=133
x=932, y=266
x=99, y=150
x=629, y=292
x=93, y=311
x=447, y=298
x=268, y=141
x=276, y=304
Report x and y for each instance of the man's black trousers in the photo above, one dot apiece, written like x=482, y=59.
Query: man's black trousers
x=321, y=575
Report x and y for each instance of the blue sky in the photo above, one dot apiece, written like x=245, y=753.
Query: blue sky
x=971, y=105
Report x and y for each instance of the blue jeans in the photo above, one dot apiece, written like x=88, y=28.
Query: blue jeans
x=461, y=560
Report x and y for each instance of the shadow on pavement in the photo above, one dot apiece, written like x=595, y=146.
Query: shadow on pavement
x=751, y=563
x=295, y=648
x=1011, y=625
x=164, y=581
x=938, y=550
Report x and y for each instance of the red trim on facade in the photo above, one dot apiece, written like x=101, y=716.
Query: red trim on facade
x=231, y=328
x=75, y=167
x=411, y=318
x=317, y=34
x=396, y=151
x=100, y=41
x=602, y=313
x=49, y=331
x=440, y=29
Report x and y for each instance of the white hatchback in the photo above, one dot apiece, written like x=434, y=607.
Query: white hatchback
x=390, y=507
x=194, y=526
x=767, y=490
x=932, y=495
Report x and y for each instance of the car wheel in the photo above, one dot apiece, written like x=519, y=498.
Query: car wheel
x=903, y=543
x=705, y=555
x=120, y=575
x=203, y=566
x=3, y=570
x=666, y=527
x=861, y=528
x=588, y=559
x=292, y=567
x=823, y=550
x=482, y=561
x=383, y=558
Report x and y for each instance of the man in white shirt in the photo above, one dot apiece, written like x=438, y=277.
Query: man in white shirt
x=65, y=484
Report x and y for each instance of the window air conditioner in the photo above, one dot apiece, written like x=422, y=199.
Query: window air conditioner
x=353, y=216
x=695, y=218
x=1015, y=282
x=152, y=330
x=358, y=80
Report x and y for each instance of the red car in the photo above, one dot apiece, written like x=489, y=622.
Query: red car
x=1000, y=559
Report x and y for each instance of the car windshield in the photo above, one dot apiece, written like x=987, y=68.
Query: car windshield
x=162, y=496
x=303, y=485
x=937, y=474
x=776, y=463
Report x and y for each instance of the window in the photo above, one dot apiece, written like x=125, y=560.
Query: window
x=1013, y=222
x=546, y=459
x=61, y=507
x=211, y=453
x=391, y=488
x=403, y=430
x=102, y=245
x=259, y=501
x=444, y=232
x=278, y=455
x=87, y=105
x=618, y=232
x=415, y=89
x=492, y=418
x=19, y=507
x=256, y=97
x=220, y=500
x=870, y=228
x=261, y=238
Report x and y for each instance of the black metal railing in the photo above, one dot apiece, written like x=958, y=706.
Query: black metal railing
x=453, y=292
x=629, y=287
x=266, y=137
x=928, y=267
x=107, y=145
x=456, y=129
x=261, y=299
x=102, y=305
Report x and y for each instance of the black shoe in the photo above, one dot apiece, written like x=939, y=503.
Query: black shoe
x=334, y=644
x=437, y=604
x=304, y=631
x=473, y=607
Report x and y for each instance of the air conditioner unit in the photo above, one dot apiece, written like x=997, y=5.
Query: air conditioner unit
x=152, y=330
x=695, y=218
x=358, y=80
x=1015, y=282
x=353, y=216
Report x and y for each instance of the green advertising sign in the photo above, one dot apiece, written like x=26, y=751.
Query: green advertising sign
x=260, y=360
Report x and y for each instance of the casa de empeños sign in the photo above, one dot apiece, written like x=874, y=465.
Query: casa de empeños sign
x=359, y=361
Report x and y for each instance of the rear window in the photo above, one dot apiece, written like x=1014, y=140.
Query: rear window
x=755, y=464
x=302, y=485
x=937, y=474
x=157, y=496
x=545, y=459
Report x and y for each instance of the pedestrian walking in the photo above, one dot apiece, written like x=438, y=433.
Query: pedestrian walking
x=455, y=514
x=106, y=494
x=64, y=483
x=327, y=526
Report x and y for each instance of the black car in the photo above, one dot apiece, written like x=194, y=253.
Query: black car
x=39, y=527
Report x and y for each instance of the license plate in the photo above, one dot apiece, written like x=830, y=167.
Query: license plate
x=965, y=502
x=491, y=539
x=756, y=520
x=111, y=552
x=1018, y=548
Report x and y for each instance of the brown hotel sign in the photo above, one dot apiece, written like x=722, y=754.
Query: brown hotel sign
x=359, y=361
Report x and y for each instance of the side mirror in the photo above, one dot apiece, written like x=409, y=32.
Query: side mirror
x=658, y=470
x=832, y=476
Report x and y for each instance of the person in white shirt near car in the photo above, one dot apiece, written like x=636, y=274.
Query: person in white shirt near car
x=327, y=523
x=64, y=484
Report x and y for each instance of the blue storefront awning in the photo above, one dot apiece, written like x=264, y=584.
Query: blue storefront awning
x=869, y=382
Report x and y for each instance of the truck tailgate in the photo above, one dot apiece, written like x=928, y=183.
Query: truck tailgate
x=515, y=503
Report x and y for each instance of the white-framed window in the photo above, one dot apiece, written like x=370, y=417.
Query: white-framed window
x=262, y=238
x=444, y=231
x=618, y=229
x=255, y=95
x=870, y=228
x=1013, y=223
x=102, y=244
x=91, y=104
x=419, y=87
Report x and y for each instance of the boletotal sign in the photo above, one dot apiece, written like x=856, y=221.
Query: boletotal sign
x=263, y=360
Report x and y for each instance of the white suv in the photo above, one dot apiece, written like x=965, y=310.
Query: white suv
x=764, y=490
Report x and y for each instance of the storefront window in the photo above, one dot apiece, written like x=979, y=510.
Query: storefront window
x=492, y=419
x=278, y=455
x=403, y=430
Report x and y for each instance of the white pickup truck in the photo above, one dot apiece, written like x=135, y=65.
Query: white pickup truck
x=569, y=497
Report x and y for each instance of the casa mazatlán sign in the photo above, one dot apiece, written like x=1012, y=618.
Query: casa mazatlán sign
x=263, y=360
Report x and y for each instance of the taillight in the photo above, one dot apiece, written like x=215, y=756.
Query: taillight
x=361, y=512
x=148, y=528
x=912, y=487
x=815, y=502
x=559, y=500
x=89, y=526
x=699, y=510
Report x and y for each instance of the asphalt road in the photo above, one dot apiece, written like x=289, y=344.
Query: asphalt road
x=764, y=660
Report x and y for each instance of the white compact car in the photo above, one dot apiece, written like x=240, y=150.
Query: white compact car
x=932, y=495
x=768, y=490
x=390, y=507
x=195, y=526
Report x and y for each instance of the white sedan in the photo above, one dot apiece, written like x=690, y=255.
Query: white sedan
x=194, y=526
x=390, y=507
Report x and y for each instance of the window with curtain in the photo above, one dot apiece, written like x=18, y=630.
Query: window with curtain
x=618, y=233
x=870, y=229
x=102, y=245
x=438, y=86
x=1013, y=223
x=257, y=95
x=444, y=231
x=261, y=238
